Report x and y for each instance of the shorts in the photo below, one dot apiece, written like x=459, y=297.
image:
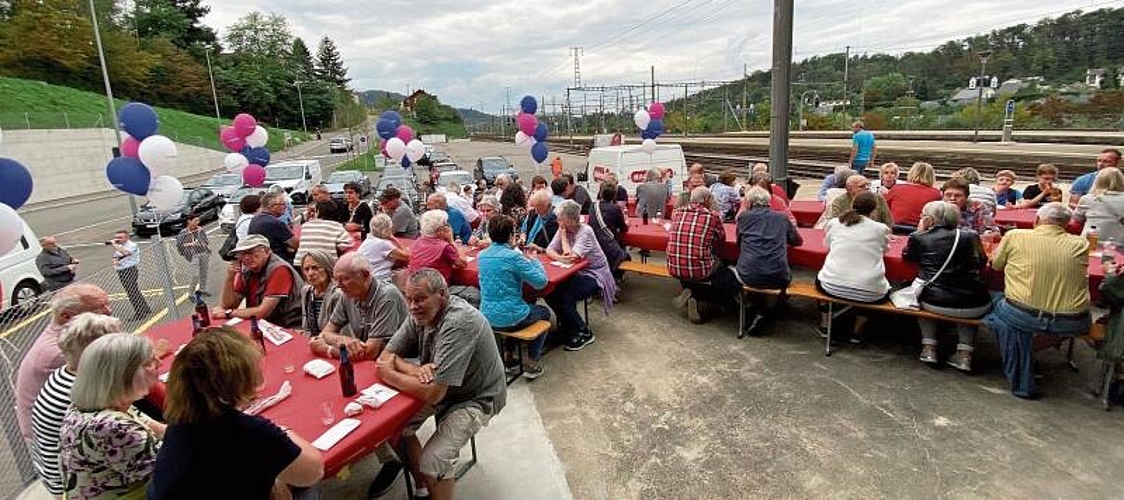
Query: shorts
x=439, y=454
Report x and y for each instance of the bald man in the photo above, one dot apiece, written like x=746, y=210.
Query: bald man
x=56, y=266
x=855, y=185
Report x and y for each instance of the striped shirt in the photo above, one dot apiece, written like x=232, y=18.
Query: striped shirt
x=46, y=420
x=319, y=234
x=1045, y=268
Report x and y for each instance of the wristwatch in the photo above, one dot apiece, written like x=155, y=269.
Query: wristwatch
x=229, y=313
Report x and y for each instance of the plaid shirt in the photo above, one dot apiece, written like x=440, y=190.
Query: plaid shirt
x=695, y=233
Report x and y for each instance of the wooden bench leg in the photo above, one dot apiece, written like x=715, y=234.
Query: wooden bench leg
x=1069, y=356
x=468, y=465
x=830, y=320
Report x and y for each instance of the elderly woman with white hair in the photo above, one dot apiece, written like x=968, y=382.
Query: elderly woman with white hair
x=541, y=224
x=54, y=398
x=764, y=236
x=435, y=249
x=108, y=448
x=487, y=207
x=574, y=242
x=951, y=261
x=382, y=249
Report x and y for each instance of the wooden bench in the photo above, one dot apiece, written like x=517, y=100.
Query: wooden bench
x=645, y=268
x=524, y=335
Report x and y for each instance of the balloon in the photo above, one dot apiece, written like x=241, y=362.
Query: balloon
x=257, y=156
x=405, y=162
x=385, y=128
x=17, y=183
x=245, y=124
x=230, y=138
x=522, y=139
x=138, y=120
x=165, y=192
x=539, y=152
x=393, y=117
x=253, y=175
x=415, y=150
x=528, y=104
x=648, y=146
x=129, y=147
x=645, y=134
x=527, y=123
x=405, y=133
x=655, y=110
x=382, y=149
x=641, y=119
x=128, y=175
x=655, y=128
x=258, y=138
x=540, y=132
x=396, y=148
x=235, y=163
x=158, y=153
x=11, y=229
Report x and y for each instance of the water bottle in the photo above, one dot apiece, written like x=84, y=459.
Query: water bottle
x=347, y=373
x=196, y=325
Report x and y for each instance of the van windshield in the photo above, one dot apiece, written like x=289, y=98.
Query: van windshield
x=281, y=173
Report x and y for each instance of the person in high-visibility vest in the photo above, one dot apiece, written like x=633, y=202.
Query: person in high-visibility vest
x=556, y=167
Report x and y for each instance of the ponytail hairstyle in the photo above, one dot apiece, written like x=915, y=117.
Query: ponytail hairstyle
x=862, y=206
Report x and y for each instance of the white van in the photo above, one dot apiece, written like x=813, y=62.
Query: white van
x=631, y=164
x=19, y=277
x=296, y=176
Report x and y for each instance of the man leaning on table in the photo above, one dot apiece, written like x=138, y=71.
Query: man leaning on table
x=371, y=309
x=269, y=285
x=459, y=374
x=1046, y=288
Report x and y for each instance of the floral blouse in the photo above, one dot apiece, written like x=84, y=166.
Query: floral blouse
x=106, y=453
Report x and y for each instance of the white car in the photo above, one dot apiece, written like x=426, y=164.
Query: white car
x=461, y=177
x=297, y=177
x=19, y=277
x=229, y=214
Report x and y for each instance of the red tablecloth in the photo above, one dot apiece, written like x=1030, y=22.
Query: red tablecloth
x=470, y=275
x=807, y=212
x=301, y=410
x=667, y=209
x=1022, y=218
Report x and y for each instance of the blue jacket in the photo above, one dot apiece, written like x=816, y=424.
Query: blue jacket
x=503, y=270
x=462, y=230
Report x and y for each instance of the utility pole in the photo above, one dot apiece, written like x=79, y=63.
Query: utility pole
x=109, y=95
x=983, y=54
x=686, y=115
x=214, y=94
x=745, y=91
x=782, y=62
x=569, y=111
x=654, y=98
x=577, y=52
x=846, y=74
x=300, y=99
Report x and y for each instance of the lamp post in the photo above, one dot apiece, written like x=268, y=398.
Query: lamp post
x=300, y=99
x=109, y=93
x=214, y=94
x=804, y=97
x=983, y=54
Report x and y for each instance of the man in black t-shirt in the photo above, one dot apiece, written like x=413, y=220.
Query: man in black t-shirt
x=282, y=242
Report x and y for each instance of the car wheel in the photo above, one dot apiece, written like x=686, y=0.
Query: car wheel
x=25, y=293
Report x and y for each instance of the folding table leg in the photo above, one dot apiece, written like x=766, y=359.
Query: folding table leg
x=404, y=457
x=1069, y=356
x=741, y=314
x=830, y=320
x=468, y=465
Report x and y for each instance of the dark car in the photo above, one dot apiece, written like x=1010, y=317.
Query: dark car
x=201, y=201
x=489, y=167
x=338, y=178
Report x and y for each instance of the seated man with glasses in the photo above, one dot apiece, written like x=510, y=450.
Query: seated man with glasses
x=371, y=309
x=269, y=285
x=857, y=184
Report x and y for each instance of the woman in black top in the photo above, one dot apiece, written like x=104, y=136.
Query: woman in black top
x=608, y=223
x=358, y=213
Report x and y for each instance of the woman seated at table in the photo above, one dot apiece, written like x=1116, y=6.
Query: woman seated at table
x=319, y=297
x=854, y=269
x=837, y=188
x=212, y=449
x=540, y=225
x=778, y=204
x=382, y=249
x=322, y=232
x=487, y=207
x=1103, y=207
x=726, y=195
x=503, y=271
x=907, y=199
x=763, y=238
x=958, y=291
x=107, y=447
x=575, y=242
x=609, y=223
x=435, y=249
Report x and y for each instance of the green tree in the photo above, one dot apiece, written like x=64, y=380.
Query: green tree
x=46, y=40
x=302, y=60
x=329, y=64
x=260, y=35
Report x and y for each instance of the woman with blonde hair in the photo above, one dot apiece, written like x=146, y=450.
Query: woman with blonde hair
x=319, y=297
x=1103, y=207
x=907, y=199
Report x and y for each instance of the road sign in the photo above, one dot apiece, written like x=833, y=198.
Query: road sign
x=995, y=82
x=972, y=83
x=1010, y=107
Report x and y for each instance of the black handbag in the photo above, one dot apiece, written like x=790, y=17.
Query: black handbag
x=227, y=248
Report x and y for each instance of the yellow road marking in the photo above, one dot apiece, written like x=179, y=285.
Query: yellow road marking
x=23, y=324
x=157, y=317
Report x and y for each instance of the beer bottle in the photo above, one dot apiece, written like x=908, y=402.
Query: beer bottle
x=196, y=325
x=202, y=311
x=347, y=373
x=256, y=333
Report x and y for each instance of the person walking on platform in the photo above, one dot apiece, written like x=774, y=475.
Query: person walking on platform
x=126, y=256
x=193, y=245
x=863, y=150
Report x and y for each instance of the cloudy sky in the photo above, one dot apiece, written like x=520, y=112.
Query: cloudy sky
x=468, y=51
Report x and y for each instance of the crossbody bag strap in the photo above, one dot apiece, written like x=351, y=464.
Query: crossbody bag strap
x=952, y=252
x=601, y=220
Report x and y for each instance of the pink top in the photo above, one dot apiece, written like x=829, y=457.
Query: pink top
x=779, y=204
x=434, y=253
x=43, y=358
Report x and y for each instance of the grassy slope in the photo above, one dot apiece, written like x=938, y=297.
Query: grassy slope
x=45, y=104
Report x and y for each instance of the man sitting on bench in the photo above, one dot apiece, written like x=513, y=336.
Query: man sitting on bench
x=692, y=246
x=763, y=238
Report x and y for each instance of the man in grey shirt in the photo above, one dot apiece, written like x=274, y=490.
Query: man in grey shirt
x=405, y=224
x=459, y=374
x=371, y=309
x=652, y=195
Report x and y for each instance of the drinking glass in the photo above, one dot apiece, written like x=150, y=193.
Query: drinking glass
x=288, y=366
x=327, y=413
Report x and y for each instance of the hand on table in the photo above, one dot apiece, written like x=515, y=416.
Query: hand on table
x=218, y=312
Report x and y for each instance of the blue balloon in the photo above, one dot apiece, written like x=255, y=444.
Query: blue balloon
x=529, y=105
x=646, y=134
x=540, y=132
x=393, y=117
x=138, y=120
x=16, y=181
x=128, y=175
x=539, y=152
x=257, y=156
x=655, y=128
x=386, y=129
x=405, y=162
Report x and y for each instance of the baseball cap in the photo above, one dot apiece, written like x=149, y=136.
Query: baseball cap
x=390, y=193
x=250, y=242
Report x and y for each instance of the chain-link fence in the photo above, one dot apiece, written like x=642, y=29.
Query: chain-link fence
x=158, y=292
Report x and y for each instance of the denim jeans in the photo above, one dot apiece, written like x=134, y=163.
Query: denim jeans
x=858, y=166
x=538, y=312
x=1015, y=329
x=564, y=300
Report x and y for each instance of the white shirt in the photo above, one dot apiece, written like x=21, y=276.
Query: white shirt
x=462, y=205
x=242, y=226
x=377, y=251
x=854, y=255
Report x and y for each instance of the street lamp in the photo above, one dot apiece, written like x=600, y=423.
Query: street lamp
x=300, y=98
x=214, y=94
x=804, y=97
x=109, y=93
x=983, y=55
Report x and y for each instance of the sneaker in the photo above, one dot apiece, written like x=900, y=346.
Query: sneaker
x=962, y=361
x=752, y=329
x=385, y=479
x=422, y=494
x=929, y=354
x=579, y=341
x=693, y=313
x=856, y=338
x=511, y=369
x=681, y=300
x=531, y=372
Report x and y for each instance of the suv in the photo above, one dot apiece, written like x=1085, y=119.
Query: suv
x=295, y=176
x=489, y=167
x=340, y=145
x=340, y=178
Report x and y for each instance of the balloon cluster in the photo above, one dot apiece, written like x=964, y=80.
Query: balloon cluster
x=145, y=158
x=247, y=141
x=398, y=138
x=17, y=189
x=532, y=133
x=650, y=123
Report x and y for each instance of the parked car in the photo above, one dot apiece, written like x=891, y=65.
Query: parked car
x=230, y=213
x=438, y=157
x=340, y=145
x=404, y=181
x=297, y=177
x=20, y=280
x=201, y=201
x=224, y=184
x=339, y=178
x=461, y=177
x=489, y=167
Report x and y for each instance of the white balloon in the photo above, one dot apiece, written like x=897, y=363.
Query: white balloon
x=11, y=229
x=165, y=192
x=158, y=153
x=396, y=148
x=235, y=163
x=522, y=139
x=258, y=138
x=648, y=146
x=415, y=150
x=641, y=119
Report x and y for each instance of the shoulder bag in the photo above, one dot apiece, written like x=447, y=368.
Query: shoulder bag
x=907, y=298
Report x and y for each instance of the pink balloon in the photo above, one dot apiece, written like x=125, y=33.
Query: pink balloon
x=655, y=110
x=527, y=123
x=231, y=139
x=405, y=133
x=129, y=147
x=253, y=175
x=244, y=124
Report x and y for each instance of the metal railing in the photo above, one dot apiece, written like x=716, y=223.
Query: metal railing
x=63, y=120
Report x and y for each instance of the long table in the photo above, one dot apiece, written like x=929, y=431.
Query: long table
x=807, y=212
x=470, y=274
x=301, y=410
